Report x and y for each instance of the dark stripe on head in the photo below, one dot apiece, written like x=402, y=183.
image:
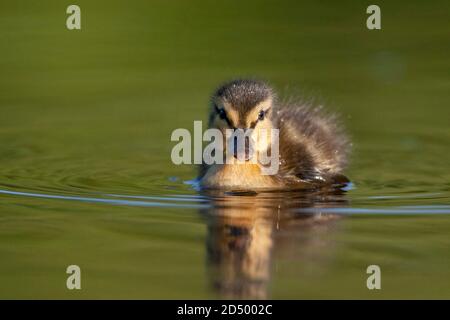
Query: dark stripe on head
x=224, y=117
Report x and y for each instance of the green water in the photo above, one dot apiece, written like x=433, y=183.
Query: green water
x=85, y=170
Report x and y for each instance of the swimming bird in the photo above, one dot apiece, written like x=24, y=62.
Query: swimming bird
x=312, y=148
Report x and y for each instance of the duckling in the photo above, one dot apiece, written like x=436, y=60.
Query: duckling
x=312, y=147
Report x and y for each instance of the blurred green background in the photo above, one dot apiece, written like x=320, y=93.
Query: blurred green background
x=90, y=111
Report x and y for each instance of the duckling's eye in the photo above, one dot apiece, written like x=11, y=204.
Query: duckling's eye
x=222, y=113
x=261, y=115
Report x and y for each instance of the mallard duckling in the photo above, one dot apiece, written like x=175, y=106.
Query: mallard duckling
x=312, y=146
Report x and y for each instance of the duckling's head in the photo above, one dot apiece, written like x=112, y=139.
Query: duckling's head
x=245, y=105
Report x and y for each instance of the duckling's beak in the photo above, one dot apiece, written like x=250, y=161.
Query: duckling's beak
x=246, y=150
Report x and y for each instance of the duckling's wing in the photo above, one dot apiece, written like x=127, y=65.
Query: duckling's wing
x=312, y=145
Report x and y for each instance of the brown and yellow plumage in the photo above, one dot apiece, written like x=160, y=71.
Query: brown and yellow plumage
x=312, y=145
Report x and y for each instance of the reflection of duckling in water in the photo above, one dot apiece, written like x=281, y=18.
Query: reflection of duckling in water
x=312, y=147
x=246, y=231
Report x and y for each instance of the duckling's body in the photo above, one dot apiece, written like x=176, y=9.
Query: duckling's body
x=312, y=147
x=241, y=176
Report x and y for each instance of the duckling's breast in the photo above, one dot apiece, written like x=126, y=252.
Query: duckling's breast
x=243, y=175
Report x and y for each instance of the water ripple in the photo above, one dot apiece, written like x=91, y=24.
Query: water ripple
x=408, y=210
x=294, y=202
x=108, y=201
